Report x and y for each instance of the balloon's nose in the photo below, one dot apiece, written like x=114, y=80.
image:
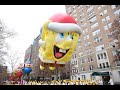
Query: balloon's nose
x=67, y=43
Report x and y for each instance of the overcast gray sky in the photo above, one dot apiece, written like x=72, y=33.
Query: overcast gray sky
x=26, y=20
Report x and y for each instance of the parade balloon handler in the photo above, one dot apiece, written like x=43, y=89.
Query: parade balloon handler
x=59, y=37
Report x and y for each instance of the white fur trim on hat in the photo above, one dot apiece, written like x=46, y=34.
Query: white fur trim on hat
x=64, y=27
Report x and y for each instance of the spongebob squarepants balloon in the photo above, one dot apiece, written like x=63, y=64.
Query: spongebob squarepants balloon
x=59, y=37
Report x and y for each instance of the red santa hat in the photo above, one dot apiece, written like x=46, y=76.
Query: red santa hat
x=63, y=23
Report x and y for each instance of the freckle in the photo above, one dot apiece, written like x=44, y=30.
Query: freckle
x=46, y=33
x=53, y=33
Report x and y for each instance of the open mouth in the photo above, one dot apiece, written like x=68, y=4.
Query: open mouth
x=59, y=53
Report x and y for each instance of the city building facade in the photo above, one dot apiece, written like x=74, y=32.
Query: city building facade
x=96, y=49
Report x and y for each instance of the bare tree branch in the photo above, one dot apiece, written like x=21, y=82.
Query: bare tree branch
x=13, y=59
x=5, y=33
x=115, y=30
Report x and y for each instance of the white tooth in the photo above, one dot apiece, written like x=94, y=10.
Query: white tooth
x=64, y=51
x=60, y=50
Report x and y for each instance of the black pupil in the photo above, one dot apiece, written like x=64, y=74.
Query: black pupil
x=72, y=37
x=61, y=34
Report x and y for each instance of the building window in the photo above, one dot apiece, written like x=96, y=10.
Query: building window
x=82, y=14
x=108, y=35
x=97, y=39
x=79, y=40
x=105, y=11
x=105, y=56
x=79, y=47
x=111, y=44
x=75, y=55
x=72, y=77
x=83, y=77
x=86, y=30
x=82, y=69
x=96, y=32
x=113, y=6
x=76, y=62
x=99, y=7
x=83, y=32
x=114, y=52
x=90, y=50
x=74, y=6
x=100, y=47
x=100, y=65
x=74, y=11
x=90, y=67
x=87, y=5
x=94, y=25
x=84, y=25
x=76, y=19
x=103, y=5
x=90, y=59
x=89, y=9
x=80, y=6
x=108, y=18
x=119, y=73
x=87, y=36
x=107, y=65
x=106, y=27
x=91, y=14
x=69, y=10
x=81, y=54
x=98, y=56
x=110, y=25
x=81, y=10
x=81, y=60
x=87, y=52
x=103, y=65
x=87, y=44
x=103, y=20
x=75, y=15
x=101, y=56
x=93, y=19
x=117, y=12
x=101, y=14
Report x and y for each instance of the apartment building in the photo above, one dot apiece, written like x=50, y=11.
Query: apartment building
x=28, y=54
x=96, y=49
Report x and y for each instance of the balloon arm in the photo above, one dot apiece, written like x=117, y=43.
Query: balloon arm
x=41, y=43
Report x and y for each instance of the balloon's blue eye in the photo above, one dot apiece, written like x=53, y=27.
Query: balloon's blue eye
x=71, y=36
x=61, y=35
